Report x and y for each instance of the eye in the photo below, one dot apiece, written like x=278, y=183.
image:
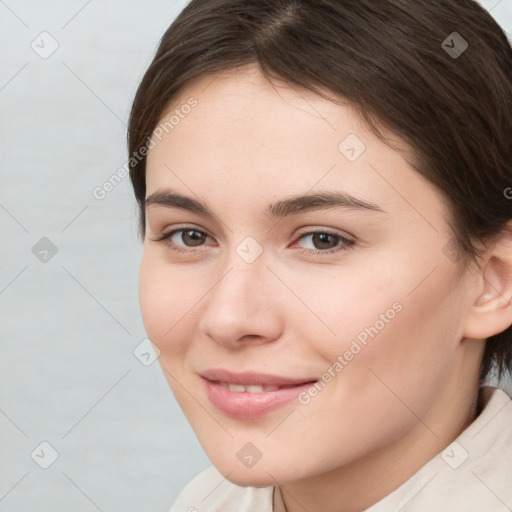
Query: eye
x=325, y=242
x=189, y=237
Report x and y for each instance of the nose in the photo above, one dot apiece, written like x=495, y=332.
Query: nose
x=243, y=306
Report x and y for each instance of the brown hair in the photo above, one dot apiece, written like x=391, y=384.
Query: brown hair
x=403, y=64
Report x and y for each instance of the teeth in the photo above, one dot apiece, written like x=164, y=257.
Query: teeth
x=254, y=389
x=250, y=388
x=236, y=387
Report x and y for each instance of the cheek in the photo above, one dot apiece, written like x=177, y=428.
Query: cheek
x=385, y=332
x=408, y=359
x=344, y=305
x=167, y=299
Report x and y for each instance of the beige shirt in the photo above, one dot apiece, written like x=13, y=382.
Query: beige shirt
x=473, y=474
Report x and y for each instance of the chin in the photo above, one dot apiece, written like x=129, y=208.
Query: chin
x=250, y=478
x=262, y=474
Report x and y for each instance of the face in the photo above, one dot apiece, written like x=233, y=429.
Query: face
x=348, y=302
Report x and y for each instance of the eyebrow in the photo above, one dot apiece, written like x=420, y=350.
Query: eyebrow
x=282, y=208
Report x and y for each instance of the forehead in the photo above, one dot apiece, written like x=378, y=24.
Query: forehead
x=243, y=102
x=247, y=137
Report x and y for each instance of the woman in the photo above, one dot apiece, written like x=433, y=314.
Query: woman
x=324, y=192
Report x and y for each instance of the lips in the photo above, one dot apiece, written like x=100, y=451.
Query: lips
x=246, y=388
x=251, y=395
x=255, y=379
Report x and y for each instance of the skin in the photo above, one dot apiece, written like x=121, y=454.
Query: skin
x=408, y=393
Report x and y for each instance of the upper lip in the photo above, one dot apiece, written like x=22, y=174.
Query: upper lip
x=251, y=378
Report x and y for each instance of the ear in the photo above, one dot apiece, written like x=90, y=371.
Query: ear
x=491, y=312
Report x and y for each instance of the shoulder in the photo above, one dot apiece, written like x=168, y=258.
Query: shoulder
x=209, y=491
x=472, y=474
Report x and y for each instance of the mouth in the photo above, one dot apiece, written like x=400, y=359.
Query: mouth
x=254, y=388
x=250, y=395
x=249, y=379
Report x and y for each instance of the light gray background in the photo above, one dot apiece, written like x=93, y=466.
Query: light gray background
x=69, y=325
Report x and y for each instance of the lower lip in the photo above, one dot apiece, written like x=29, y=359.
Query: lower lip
x=251, y=405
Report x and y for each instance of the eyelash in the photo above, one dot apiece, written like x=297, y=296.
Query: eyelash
x=347, y=243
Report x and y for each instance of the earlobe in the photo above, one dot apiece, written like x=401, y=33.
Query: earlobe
x=491, y=312
x=485, y=297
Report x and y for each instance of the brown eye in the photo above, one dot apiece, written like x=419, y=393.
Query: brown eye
x=181, y=239
x=325, y=242
x=192, y=237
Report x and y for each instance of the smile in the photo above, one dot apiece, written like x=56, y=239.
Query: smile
x=251, y=401
x=248, y=388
